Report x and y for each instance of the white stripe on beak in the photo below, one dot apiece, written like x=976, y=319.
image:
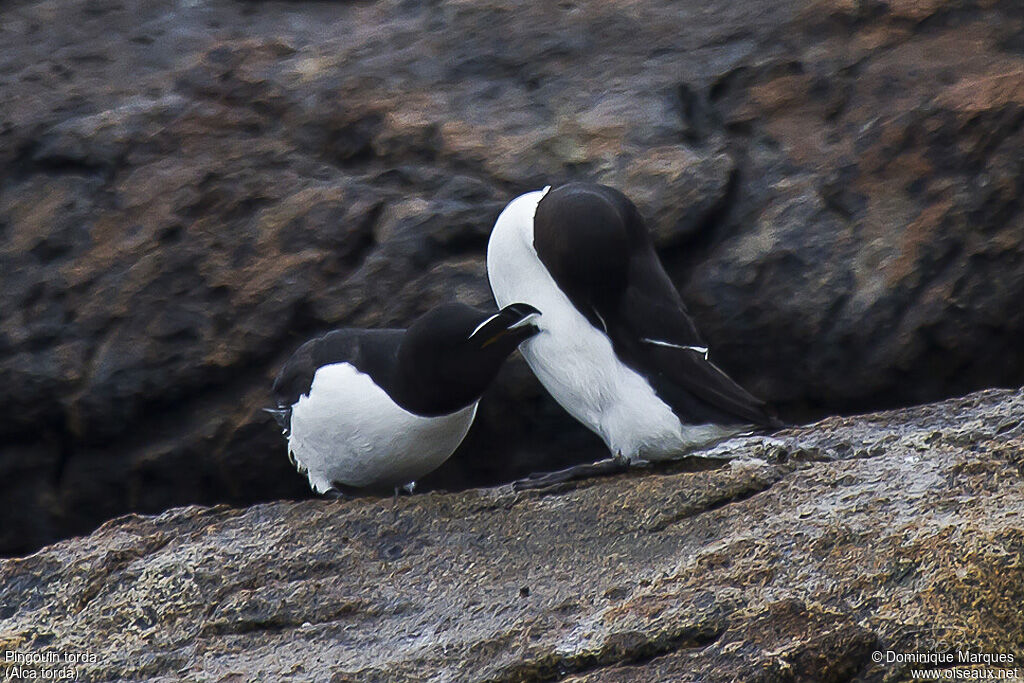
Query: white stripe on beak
x=524, y=321
x=482, y=325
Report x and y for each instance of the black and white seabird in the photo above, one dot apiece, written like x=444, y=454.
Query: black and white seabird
x=377, y=409
x=616, y=348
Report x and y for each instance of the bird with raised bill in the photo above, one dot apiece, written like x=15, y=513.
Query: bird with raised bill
x=616, y=347
x=376, y=409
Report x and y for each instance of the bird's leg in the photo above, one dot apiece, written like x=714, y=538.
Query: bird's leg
x=333, y=494
x=408, y=488
x=602, y=468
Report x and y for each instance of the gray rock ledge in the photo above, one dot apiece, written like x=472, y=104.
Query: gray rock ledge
x=794, y=559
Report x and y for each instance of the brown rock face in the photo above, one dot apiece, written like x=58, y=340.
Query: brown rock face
x=795, y=560
x=189, y=191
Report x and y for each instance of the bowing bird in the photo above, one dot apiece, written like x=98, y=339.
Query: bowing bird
x=616, y=346
x=376, y=409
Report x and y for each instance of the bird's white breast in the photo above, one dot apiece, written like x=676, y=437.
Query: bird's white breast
x=574, y=360
x=348, y=430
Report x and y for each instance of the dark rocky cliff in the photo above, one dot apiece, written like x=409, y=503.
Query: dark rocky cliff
x=190, y=189
x=795, y=560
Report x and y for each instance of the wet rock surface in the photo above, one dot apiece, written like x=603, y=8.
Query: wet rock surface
x=189, y=190
x=791, y=558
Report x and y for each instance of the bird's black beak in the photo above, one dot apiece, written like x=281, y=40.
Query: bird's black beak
x=519, y=315
x=515, y=321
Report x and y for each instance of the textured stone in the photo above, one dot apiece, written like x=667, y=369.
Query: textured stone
x=187, y=192
x=790, y=558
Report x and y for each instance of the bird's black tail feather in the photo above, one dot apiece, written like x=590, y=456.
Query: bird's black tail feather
x=282, y=416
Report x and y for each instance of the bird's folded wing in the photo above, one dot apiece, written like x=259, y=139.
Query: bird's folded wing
x=655, y=335
x=367, y=350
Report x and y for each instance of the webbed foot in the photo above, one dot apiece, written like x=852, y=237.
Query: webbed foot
x=601, y=468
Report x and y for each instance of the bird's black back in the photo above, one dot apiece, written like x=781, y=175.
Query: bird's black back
x=434, y=368
x=593, y=241
x=372, y=352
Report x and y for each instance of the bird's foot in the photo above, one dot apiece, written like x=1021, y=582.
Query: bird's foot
x=625, y=463
x=333, y=494
x=601, y=468
x=394, y=502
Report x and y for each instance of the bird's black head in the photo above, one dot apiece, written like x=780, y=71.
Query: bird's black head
x=452, y=353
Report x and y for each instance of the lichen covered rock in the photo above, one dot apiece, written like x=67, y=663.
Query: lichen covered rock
x=794, y=557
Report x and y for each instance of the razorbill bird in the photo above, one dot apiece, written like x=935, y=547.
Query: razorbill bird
x=616, y=348
x=378, y=408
